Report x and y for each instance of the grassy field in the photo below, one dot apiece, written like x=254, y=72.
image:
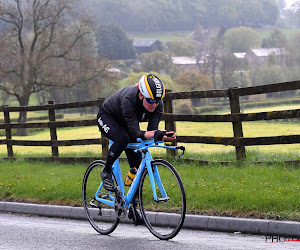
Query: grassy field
x=258, y=109
x=165, y=36
x=168, y=36
x=244, y=190
x=251, y=129
x=289, y=33
x=259, y=191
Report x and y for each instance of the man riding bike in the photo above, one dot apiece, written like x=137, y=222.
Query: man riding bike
x=119, y=117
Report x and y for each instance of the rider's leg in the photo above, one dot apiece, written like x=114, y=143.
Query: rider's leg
x=135, y=216
x=134, y=159
x=113, y=131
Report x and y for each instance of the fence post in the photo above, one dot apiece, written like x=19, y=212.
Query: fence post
x=53, y=133
x=10, y=152
x=170, y=125
x=236, y=123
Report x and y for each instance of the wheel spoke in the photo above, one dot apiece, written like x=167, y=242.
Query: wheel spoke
x=172, y=201
x=102, y=217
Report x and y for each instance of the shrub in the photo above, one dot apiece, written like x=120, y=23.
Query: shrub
x=184, y=107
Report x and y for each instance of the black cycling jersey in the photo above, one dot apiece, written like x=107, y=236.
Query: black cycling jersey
x=119, y=118
x=126, y=107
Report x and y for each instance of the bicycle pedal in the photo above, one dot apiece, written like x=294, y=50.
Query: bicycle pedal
x=92, y=203
x=163, y=199
x=104, y=196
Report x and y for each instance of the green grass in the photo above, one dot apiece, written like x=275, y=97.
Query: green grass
x=15, y=115
x=256, y=109
x=168, y=36
x=248, y=190
x=289, y=33
x=12, y=101
x=165, y=36
x=41, y=182
x=251, y=129
x=245, y=190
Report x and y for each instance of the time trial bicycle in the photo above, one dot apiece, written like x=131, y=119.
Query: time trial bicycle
x=157, y=185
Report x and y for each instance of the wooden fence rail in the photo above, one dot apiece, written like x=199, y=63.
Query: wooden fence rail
x=235, y=117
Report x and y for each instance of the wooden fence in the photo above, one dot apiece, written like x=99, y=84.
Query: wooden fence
x=236, y=118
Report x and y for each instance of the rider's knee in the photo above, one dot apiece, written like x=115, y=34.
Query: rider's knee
x=123, y=140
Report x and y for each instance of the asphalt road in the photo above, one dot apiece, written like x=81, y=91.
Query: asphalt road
x=33, y=232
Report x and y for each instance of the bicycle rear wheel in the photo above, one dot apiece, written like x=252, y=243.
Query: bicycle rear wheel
x=102, y=217
x=164, y=218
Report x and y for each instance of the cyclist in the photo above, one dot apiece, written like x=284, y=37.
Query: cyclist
x=119, y=117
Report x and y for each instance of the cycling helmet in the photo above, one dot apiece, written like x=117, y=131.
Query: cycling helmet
x=151, y=87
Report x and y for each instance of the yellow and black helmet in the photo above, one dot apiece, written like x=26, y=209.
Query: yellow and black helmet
x=152, y=87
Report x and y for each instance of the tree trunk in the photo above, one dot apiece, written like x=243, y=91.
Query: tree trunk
x=23, y=100
x=213, y=71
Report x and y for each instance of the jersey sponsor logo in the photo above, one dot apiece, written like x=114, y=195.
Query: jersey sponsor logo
x=143, y=116
x=103, y=126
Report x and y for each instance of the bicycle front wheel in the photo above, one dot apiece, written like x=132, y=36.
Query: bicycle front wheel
x=164, y=217
x=102, y=217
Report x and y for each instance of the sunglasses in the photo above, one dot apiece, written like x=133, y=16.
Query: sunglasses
x=151, y=101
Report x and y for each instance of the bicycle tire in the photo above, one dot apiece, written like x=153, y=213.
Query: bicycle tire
x=102, y=217
x=164, y=219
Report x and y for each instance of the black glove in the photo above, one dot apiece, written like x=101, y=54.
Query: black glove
x=170, y=134
x=158, y=135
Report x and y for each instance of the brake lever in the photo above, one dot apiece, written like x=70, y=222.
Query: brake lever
x=183, y=150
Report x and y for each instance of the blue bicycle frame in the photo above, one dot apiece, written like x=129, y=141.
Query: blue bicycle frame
x=140, y=146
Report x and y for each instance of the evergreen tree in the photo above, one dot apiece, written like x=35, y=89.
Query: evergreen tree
x=276, y=39
x=114, y=43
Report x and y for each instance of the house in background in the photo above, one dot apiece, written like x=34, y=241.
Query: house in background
x=266, y=56
x=185, y=62
x=240, y=55
x=146, y=46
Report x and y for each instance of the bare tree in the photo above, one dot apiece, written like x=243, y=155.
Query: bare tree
x=212, y=59
x=201, y=38
x=212, y=47
x=46, y=43
x=227, y=66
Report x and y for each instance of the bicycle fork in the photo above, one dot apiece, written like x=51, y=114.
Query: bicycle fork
x=155, y=178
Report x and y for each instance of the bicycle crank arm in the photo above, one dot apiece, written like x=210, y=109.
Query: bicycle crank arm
x=120, y=205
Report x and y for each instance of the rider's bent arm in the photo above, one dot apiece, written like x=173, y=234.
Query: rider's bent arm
x=171, y=137
x=131, y=119
x=149, y=134
x=155, y=117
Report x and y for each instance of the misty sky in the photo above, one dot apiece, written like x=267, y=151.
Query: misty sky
x=290, y=2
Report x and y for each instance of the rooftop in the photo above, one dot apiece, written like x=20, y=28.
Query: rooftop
x=183, y=60
x=240, y=55
x=269, y=51
x=143, y=42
